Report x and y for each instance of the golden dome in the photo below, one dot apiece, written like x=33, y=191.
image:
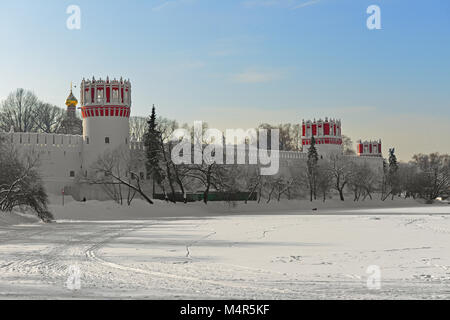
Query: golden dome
x=71, y=100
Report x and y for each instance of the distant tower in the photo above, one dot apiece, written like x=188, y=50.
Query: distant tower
x=327, y=134
x=71, y=124
x=369, y=148
x=105, y=108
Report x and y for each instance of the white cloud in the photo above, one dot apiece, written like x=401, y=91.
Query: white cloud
x=351, y=109
x=171, y=3
x=305, y=4
x=193, y=65
x=235, y=45
x=289, y=4
x=262, y=3
x=255, y=77
x=163, y=5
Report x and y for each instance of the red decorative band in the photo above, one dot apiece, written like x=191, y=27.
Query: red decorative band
x=108, y=111
x=307, y=142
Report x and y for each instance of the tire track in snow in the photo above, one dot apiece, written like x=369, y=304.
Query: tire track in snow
x=51, y=263
x=188, y=253
x=91, y=253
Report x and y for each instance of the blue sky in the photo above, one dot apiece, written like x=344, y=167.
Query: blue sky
x=237, y=63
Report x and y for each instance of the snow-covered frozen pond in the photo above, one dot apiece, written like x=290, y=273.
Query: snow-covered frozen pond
x=248, y=257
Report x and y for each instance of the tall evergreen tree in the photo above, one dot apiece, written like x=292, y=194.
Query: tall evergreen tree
x=393, y=164
x=384, y=182
x=153, y=151
x=313, y=159
x=393, y=178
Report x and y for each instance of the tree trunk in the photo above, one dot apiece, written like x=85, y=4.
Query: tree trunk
x=170, y=180
x=208, y=185
x=270, y=194
x=179, y=182
x=341, y=194
x=259, y=194
x=251, y=193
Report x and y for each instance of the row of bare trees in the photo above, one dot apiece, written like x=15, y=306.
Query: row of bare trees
x=22, y=111
x=427, y=176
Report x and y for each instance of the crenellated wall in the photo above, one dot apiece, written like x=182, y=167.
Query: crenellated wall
x=61, y=161
x=59, y=156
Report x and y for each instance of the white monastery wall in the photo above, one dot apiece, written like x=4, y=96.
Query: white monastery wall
x=59, y=156
x=65, y=160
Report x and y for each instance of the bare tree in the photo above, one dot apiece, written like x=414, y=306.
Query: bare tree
x=116, y=170
x=411, y=180
x=324, y=180
x=347, y=143
x=252, y=180
x=284, y=186
x=48, y=118
x=340, y=169
x=20, y=183
x=289, y=135
x=210, y=172
x=138, y=127
x=210, y=175
x=363, y=181
x=433, y=174
x=165, y=128
x=18, y=111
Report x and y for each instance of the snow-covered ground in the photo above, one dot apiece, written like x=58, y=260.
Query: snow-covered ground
x=271, y=256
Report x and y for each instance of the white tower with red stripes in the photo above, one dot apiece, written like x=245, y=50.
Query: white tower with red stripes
x=105, y=108
x=369, y=148
x=327, y=135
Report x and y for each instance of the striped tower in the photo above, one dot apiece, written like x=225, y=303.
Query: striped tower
x=105, y=108
x=369, y=148
x=327, y=134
